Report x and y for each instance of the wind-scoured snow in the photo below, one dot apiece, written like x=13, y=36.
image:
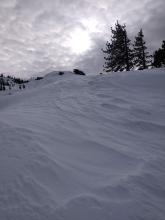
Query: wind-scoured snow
x=84, y=148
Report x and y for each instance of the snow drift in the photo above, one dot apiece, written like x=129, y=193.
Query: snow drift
x=84, y=147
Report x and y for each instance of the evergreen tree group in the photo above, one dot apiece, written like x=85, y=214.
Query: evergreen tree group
x=122, y=55
x=9, y=82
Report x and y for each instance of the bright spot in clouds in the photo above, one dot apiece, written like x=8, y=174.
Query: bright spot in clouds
x=79, y=41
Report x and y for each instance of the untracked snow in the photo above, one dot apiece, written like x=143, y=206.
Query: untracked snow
x=84, y=148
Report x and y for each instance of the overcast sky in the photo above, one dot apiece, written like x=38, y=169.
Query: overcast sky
x=43, y=35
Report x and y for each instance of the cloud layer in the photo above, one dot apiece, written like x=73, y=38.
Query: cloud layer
x=41, y=35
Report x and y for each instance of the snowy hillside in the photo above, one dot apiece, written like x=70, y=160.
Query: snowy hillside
x=84, y=148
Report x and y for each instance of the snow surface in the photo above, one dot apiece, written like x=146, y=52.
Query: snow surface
x=84, y=148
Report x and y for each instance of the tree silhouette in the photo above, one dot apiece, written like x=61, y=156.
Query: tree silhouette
x=159, y=56
x=119, y=56
x=141, y=58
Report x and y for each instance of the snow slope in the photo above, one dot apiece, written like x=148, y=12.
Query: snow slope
x=84, y=148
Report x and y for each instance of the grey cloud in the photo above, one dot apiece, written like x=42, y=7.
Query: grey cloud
x=93, y=60
x=34, y=33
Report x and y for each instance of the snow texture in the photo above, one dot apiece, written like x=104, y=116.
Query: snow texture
x=84, y=148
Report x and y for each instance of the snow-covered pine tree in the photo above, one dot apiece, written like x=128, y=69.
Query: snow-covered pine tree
x=118, y=53
x=141, y=58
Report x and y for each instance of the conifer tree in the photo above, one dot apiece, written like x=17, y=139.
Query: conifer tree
x=1, y=85
x=159, y=56
x=1, y=82
x=118, y=53
x=141, y=58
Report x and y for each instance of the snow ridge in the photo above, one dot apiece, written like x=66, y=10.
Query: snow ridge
x=84, y=147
